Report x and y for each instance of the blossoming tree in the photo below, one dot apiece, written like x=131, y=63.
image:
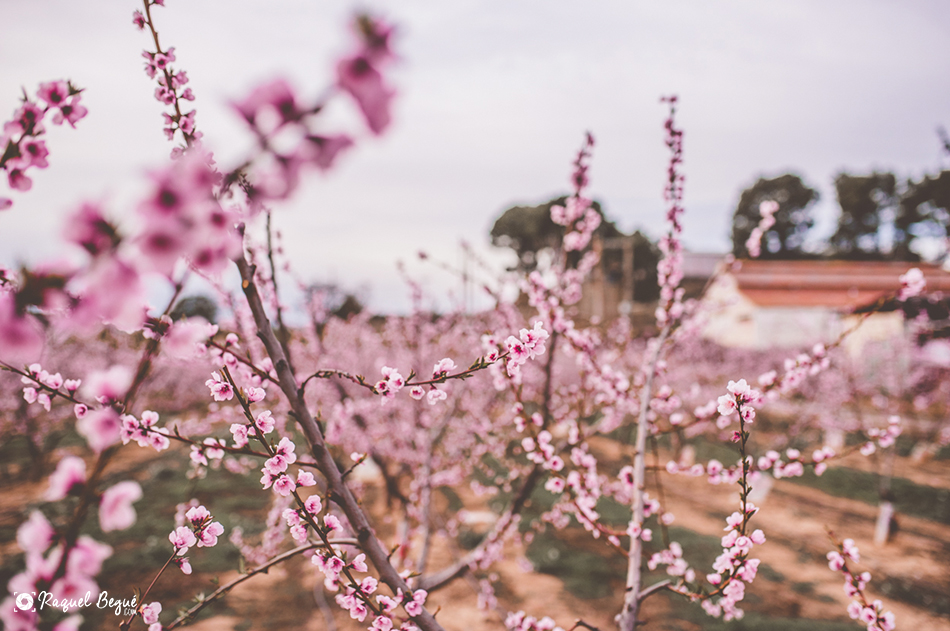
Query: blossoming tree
x=294, y=408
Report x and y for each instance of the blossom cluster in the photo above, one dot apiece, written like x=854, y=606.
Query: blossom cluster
x=741, y=399
x=199, y=529
x=767, y=210
x=871, y=613
x=522, y=622
x=733, y=567
x=670, y=267
x=144, y=431
x=171, y=88
x=529, y=344
x=21, y=139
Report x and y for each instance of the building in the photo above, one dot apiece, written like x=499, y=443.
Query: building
x=768, y=303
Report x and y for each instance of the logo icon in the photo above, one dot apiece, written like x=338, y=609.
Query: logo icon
x=24, y=602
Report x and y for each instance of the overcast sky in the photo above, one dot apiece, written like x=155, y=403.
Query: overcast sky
x=494, y=97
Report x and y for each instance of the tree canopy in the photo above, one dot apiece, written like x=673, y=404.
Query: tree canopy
x=872, y=224
x=195, y=306
x=786, y=238
x=528, y=230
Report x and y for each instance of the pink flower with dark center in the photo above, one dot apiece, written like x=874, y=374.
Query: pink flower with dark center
x=284, y=485
x=34, y=153
x=54, y=92
x=357, y=76
x=208, y=536
x=18, y=180
x=264, y=422
x=313, y=504
x=71, y=112
x=197, y=516
x=101, y=428
x=276, y=95
x=138, y=19
x=182, y=538
x=90, y=229
x=220, y=389
x=26, y=120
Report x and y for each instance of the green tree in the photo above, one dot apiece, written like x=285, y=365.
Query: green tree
x=873, y=224
x=925, y=207
x=793, y=219
x=192, y=306
x=528, y=230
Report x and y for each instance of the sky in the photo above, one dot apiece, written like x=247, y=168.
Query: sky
x=493, y=101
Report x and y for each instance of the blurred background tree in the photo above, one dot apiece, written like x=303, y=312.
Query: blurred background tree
x=786, y=238
x=195, y=306
x=529, y=231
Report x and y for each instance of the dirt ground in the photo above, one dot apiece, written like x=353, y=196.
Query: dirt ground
x=916, y=564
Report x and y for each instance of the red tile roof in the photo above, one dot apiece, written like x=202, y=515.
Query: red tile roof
x=835, y=284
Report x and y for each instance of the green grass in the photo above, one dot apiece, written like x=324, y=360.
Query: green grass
x=911, y=498
x=585, y=574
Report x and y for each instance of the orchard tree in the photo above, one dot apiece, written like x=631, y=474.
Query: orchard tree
x=544, y=392
x=793, y=220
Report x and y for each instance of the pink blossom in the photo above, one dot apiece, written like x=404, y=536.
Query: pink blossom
x=283, y=456
x=264, y=422
x=435, y=395
x=182, y=538
x=313, y=504
x=101, y=428
x=322, y=151
x=70, y=473
x=35, y=534
x=106, y=386
x=21, y=336
x=359, y=563
x=54, y=92
x=208, y=536
x=305, y=478
x=276, y=96
x=255, y=394
x=220, y=388
x=71, y=112
x=284, y=485
x=150, y=612
x=358, y=76
x=115, y=508
x=442, y=368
